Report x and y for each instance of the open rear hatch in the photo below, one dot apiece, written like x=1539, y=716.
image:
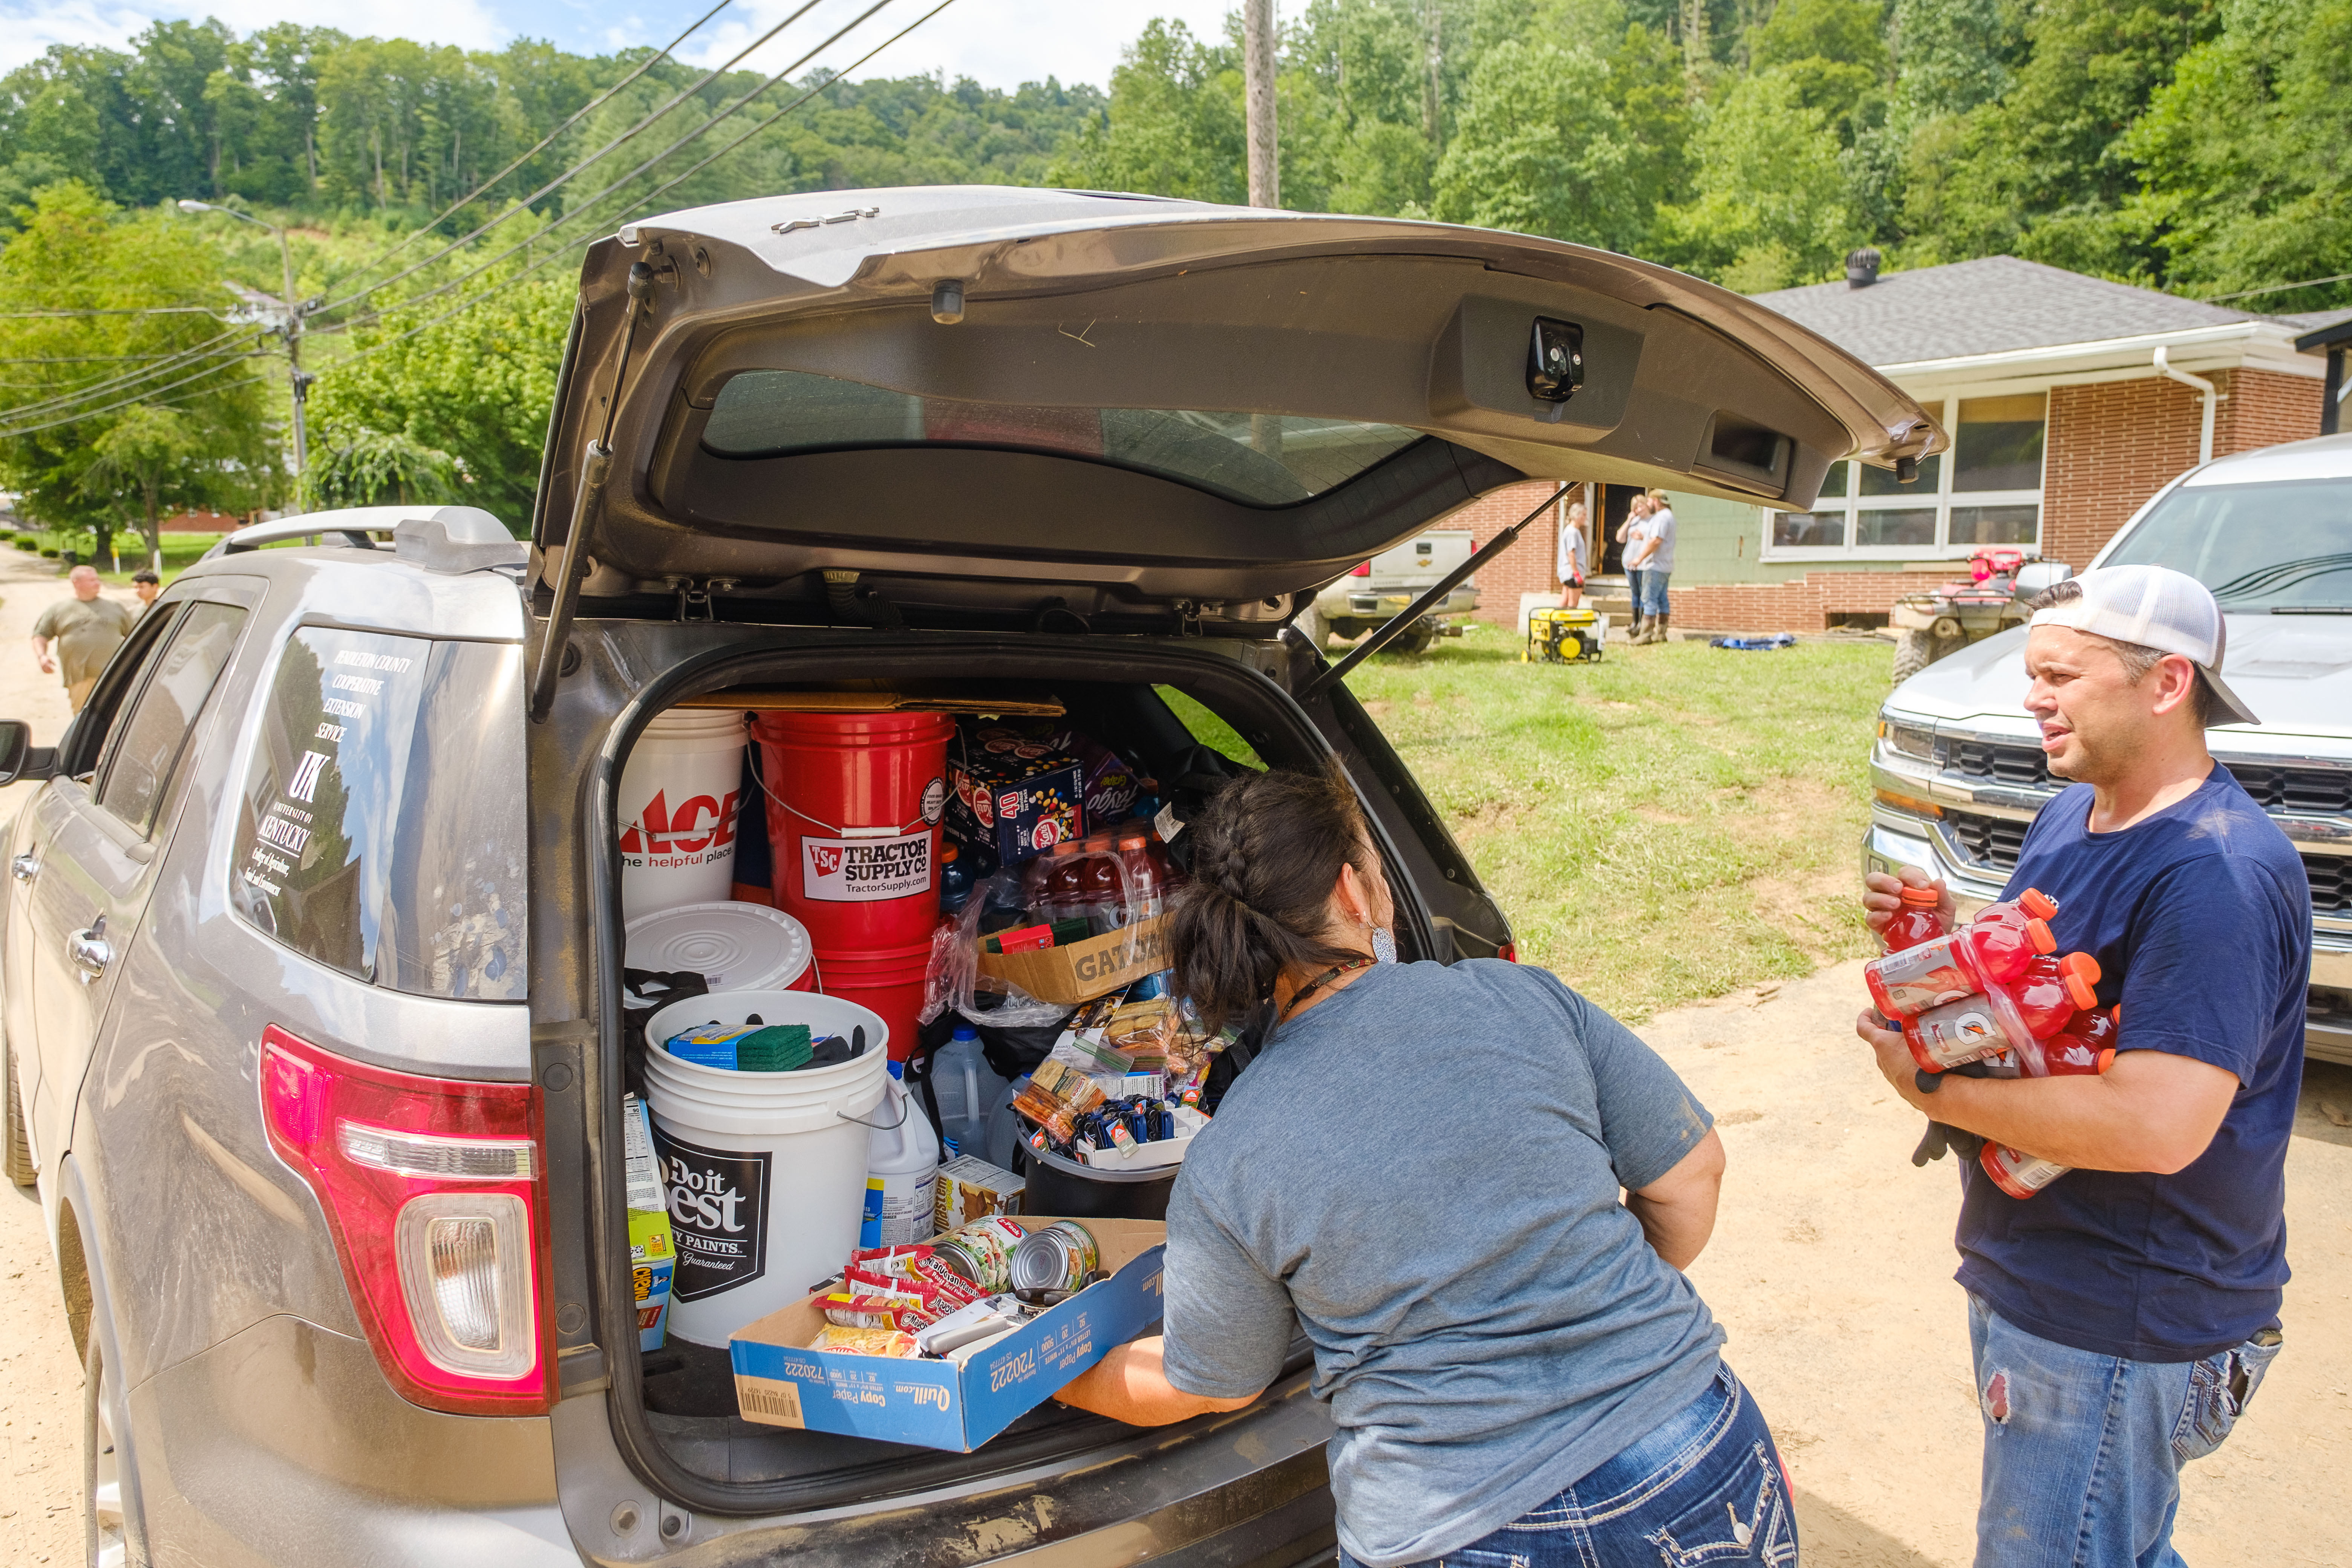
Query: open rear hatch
x=990, y=405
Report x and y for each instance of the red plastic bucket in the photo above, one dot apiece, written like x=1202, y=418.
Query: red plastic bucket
x=854, y=802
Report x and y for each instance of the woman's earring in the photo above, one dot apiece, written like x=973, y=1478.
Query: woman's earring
x=1384, y=949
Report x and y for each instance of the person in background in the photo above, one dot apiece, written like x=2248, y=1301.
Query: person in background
x=1572, y=548
x=1517, y=1367
x=146, y=585
x=2122, y=1317
x=1630, y=533
x=1656, y=560
x=87, y=630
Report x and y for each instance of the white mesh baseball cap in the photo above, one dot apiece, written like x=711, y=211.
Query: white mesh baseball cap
x=2155, y=608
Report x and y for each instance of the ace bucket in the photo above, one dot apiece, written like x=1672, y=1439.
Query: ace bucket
x=680, y=792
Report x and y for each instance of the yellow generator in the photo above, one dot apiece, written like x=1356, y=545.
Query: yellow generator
x=1561, y=637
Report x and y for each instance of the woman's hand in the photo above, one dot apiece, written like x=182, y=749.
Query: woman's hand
x=1130, y=1385
x=1677, y=1210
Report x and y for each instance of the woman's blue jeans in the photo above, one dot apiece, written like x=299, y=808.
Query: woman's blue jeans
x=1633, y=575
x=1708, y=1487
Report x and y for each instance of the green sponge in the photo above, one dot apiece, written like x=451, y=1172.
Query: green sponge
x=779, y=1048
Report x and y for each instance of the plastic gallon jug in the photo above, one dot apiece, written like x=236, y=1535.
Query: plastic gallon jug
x=902, y=1167
x=765, y=1173
x=854, y=802
x=733, y=946
x=680, y=792
x=967, y=1089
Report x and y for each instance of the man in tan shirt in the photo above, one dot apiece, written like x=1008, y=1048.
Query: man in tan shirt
x=87, y=630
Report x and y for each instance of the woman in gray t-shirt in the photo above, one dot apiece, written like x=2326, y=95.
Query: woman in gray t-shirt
x=1475, y=1192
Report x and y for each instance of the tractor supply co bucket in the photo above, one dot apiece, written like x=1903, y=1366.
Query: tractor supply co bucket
x=733, y=946
x=764, y=1172
x=854, y=802
x=680, y=792
x=1060, y=1186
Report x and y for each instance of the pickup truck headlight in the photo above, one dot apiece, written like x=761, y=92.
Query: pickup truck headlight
x=1911, y=740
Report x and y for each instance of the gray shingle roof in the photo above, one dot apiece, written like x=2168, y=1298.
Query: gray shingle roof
x=1994, y=305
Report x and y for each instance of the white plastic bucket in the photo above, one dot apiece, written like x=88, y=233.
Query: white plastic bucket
x=681, y=792
x=764, y=1172
x=734, y=946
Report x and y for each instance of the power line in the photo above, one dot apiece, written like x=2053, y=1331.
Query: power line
x=126, y=310
x=2274, y=288
x=80, y=414
x=210, y=348
x=573, y=173
x=589, y=204
x=544, y=143
x=554, y=256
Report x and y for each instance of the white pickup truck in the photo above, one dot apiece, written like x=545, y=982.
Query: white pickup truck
x=1379, y=589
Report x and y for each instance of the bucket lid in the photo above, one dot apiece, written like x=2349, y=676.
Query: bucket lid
x=682, y=722
x=733, y=946
x=852, y=729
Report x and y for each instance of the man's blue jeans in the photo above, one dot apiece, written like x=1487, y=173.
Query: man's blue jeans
x=1654, y=594
x=1708, y=1487
x=2082, y=1452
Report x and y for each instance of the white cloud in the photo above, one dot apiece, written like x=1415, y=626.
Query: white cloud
x=27, y=31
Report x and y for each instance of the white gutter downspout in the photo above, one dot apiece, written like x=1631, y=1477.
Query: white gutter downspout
x=2205, y=425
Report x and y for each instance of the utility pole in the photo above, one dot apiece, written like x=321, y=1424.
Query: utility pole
x=298, y=379
x=1257, y=92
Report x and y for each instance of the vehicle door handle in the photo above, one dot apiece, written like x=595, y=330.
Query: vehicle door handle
x=26, y=866
x=90, y=951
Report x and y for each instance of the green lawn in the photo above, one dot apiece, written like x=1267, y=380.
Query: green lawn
x=1673, y=823
x=180, y=553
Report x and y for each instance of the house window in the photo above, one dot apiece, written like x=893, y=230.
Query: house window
x=1986, y=491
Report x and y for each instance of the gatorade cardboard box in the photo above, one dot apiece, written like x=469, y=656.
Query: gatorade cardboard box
x=938, y=1403
x=1082, y=971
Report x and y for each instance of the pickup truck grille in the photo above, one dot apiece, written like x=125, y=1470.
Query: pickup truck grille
x=1993, y=762
x=2320, y=791
x=1989, y=841
x=1992, y=843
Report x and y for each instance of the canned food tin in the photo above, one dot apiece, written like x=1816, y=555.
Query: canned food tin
x=1057, y=1258
x=982, y=1251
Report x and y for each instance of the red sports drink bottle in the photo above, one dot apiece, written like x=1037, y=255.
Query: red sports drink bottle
x=1992, y=950
x=2086, y=1045
x=1921, y=919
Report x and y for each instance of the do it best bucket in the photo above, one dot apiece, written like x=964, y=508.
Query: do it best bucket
x=764, y=1172
x=681, y=790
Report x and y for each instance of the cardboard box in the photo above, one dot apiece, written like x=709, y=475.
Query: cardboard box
x=870, y=697
x=937, y=1403
x=1085, y=970
x=970, y=1188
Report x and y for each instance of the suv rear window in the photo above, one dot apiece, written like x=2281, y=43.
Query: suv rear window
x=382, y=829
x=1260, y=460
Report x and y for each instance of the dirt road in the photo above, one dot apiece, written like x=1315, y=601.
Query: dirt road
x=1831, y=1268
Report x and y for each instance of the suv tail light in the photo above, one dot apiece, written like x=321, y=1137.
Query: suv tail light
x=1362, y=569
x=1508, y=952
x=434, y=1191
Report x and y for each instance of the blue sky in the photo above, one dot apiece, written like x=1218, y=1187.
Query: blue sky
x=1002, y=43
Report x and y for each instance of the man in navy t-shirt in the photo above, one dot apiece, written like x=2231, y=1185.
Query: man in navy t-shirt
x=2122, y=1317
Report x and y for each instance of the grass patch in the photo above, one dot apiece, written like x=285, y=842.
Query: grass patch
x=1671, y=824
x=181, y=552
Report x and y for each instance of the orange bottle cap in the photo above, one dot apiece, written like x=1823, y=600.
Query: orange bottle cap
x=1134, y=843
x=2084, y=964
x=2106, y=1058
x=1922, y=898
x=2037, y=931
x=2037, y=903
x=2118, y=1014
x=2080, y=991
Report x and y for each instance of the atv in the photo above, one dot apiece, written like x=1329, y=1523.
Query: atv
x=1997, y=594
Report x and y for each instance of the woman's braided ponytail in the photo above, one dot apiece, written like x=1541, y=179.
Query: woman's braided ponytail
x=1265, y=855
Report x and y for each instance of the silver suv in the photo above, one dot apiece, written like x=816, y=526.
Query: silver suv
x=1958, y=766
x=312, y=953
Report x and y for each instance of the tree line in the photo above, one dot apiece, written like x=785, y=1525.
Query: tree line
x=2195, y=145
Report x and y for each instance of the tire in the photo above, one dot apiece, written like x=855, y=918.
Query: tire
x=1914, y=651
x=17, y=1154
x=1416, y=639
x=1313, y=628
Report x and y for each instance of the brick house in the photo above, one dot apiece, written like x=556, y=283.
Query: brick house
x=2063, y=424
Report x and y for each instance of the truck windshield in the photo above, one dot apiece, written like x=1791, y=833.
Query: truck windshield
x=2284, y=547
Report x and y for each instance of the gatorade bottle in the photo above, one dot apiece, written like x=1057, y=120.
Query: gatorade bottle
x=1143, y=893
x=1919, y=919
x=1974, y=1028
x=1992, y=950
x=2087, y=1045
x=955, y=880
x=1098, y=885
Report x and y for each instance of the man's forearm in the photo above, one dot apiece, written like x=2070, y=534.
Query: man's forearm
x=2091, y=1122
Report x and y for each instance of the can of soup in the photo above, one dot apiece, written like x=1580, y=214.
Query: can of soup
x=982, y=1251
x=1057, y=1258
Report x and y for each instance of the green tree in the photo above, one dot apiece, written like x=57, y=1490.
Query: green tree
x=476, y=389
x=1770, y=208
x=144, y=412
x=1539, y=148
x=1174, y=125
x=2247, y=181
x=366, y=467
